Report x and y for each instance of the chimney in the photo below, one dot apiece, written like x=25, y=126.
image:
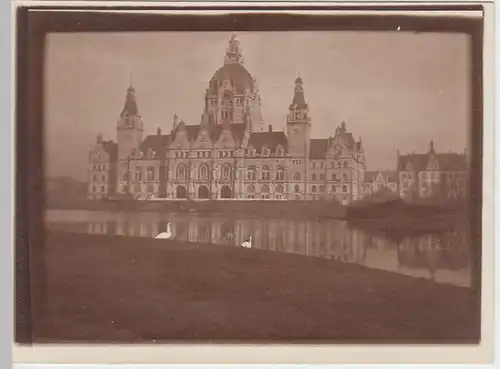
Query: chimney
x=432, y=145
x=270, y=128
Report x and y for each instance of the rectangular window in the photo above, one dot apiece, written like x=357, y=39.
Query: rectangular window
x=322, y=177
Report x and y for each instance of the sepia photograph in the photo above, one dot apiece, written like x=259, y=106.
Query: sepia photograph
x=243, y=178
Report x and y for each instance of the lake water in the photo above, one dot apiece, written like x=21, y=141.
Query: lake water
x=444, y=257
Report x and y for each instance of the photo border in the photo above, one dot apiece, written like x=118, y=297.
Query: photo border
x=29, y=226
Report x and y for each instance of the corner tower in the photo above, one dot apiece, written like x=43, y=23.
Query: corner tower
x=298, y=123
x=130, y=126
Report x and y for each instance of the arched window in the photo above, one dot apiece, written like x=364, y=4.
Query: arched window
x=227, y=102
x=345, y=164
x=151, y=174
x=334, y=177
x=339, y=164
x=321, y=165
x=264, y=189
x=138, y=174
x=226, y=171
x=279, y=188
x=280, y=173
x=181, y=172
x=252, y=173
x=333, y=189
x=251, y=189
x=344, y=188
x=297, y=188
x=296, y=176
x=314, y=177
x=266, y=173
x=345, y=177
x=313, y=189
x=203, y=172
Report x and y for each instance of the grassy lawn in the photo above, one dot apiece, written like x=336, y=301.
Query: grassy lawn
x=104, y=288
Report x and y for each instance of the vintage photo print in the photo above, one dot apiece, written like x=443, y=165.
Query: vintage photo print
x=241, y=177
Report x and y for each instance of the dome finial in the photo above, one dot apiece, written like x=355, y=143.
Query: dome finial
x=298, y=80
x=233, y=52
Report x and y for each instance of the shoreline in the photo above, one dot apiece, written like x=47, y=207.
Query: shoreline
x=388, y=217
x=155, y=290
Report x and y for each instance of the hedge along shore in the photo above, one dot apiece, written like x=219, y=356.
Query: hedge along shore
x=95, y=288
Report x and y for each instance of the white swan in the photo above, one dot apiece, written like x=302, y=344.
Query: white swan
x=167, y=234
x=247, y=244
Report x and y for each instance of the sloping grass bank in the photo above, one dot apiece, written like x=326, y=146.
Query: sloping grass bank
x=108, y=288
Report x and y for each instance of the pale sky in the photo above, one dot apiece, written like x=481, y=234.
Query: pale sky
x=394, y=89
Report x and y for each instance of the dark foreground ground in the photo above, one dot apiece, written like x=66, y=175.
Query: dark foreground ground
x=101, y=288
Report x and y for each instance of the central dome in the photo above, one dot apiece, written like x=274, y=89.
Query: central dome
x=236, y=74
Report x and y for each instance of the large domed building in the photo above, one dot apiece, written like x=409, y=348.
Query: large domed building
x=230, y=153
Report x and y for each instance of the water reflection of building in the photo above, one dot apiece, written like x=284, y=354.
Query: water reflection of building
x=439, y=256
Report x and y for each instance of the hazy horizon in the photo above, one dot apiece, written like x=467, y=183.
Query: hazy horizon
x=397, y=90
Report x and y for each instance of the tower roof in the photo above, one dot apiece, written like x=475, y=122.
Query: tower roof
x=299, y=100
x=130, y=107
x=239, y=77
x=232, y=71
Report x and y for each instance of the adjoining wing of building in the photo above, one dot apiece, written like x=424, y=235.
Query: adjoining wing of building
x=231, y=153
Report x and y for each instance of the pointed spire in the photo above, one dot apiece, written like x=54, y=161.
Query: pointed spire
x=130, y=108
x=432, y=146
x=233, y=52
x=99, y=138
x=298, y=80
x=299, y=100
x=176, y=122
x=158, y=131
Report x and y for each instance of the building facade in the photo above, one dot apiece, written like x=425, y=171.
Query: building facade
x=230, y=154
x=375, y=181
x=432, y=175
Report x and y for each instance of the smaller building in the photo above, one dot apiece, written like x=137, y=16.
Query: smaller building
x=375, y=181
x=432, y=175
x=102, y=169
